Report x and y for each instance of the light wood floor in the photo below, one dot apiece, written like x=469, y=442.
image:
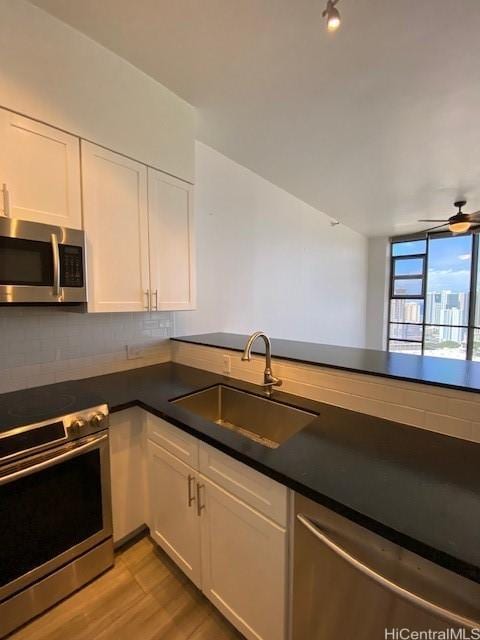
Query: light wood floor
x=144, y=597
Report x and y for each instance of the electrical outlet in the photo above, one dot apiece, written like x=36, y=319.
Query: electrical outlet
x=151, y=323
x=134, y=351
x=227, y=365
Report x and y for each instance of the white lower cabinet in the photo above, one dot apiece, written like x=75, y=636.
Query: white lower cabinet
x=243, y=564
x=233, y=552
x=174, y=523
x=128, y=473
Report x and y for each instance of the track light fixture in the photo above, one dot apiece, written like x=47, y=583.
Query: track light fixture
x=332, y=14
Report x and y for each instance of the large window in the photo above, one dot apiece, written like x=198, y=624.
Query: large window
x=435, y=296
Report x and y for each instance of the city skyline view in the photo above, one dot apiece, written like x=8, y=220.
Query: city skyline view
x=434, y=299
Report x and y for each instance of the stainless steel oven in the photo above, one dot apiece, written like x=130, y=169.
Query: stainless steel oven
x=55, y=512
x=40, y=263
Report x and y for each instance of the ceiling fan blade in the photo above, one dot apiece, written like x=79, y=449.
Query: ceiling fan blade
x=445, y=224
x=434, y=220
x=474, y=216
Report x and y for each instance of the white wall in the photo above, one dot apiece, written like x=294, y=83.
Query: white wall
x=54, y=73
x=267, y=260
x=377, y=292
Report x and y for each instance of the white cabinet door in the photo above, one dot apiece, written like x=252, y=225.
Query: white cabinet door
x=40, y=168
x=116, y=226
x=174, y=523
x=128, y=472
x=172, y=268
x=243, y=564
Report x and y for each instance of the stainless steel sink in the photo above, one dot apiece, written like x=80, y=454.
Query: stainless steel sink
x=265, y=421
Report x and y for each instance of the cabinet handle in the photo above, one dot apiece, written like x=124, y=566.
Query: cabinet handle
x=200, y=506
x=155, y=293
x=191, y=497
x=6, y=201
x=149, y=301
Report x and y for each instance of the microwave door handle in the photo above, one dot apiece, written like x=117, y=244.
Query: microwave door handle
x=50, y=462
x=394, y=588
x=6, y=201
x=56, y=267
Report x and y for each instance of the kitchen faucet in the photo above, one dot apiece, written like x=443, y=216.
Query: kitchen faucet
x=269, y=379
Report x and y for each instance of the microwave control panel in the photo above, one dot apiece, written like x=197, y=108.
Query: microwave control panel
x=71, y=266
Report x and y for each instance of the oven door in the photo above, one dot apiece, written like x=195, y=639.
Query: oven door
x=40, y=263
x=53, y=507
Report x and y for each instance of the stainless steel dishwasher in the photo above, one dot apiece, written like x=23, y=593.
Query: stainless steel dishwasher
x=351, y=584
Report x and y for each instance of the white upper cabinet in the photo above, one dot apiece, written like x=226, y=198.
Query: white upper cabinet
x=139, y=227
x=116, y=225
x=39, y=172
x=172, y=273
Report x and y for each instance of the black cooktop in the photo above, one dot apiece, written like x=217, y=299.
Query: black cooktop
x=33, y=406
x=29, y=406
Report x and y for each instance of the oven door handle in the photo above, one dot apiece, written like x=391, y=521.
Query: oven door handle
x=50, y=462
x=56, y=291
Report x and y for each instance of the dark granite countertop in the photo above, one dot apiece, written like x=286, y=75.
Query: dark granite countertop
x=442, y=372
x=416, y=488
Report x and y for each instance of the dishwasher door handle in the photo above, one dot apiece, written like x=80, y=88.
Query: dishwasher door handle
x=394, y=588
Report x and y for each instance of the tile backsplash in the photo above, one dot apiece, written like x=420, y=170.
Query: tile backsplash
x=44, y=345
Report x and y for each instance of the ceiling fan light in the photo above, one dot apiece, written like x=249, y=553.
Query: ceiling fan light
x=333, y=20
x=459, y=227
x=333, y=15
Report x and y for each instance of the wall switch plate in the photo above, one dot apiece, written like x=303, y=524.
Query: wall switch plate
x=227, y=365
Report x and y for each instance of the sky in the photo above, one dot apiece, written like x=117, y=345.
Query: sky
x=449, y=263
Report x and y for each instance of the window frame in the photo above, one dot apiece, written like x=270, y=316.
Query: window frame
x=471, y=328
x=417, y=276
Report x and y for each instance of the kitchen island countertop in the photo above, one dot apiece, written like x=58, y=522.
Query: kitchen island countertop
x=442, y=372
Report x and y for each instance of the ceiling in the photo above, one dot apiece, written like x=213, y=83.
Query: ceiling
x=376, y=125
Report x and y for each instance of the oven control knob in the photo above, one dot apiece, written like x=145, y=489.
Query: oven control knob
x=97, y=419
x=77, y=425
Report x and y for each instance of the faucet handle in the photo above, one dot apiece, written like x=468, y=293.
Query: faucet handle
x=269, y=380
x=272, y=382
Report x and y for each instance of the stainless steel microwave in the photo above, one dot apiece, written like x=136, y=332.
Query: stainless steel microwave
x=41, y=264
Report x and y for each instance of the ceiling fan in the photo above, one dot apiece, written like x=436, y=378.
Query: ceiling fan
x=460, y=222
